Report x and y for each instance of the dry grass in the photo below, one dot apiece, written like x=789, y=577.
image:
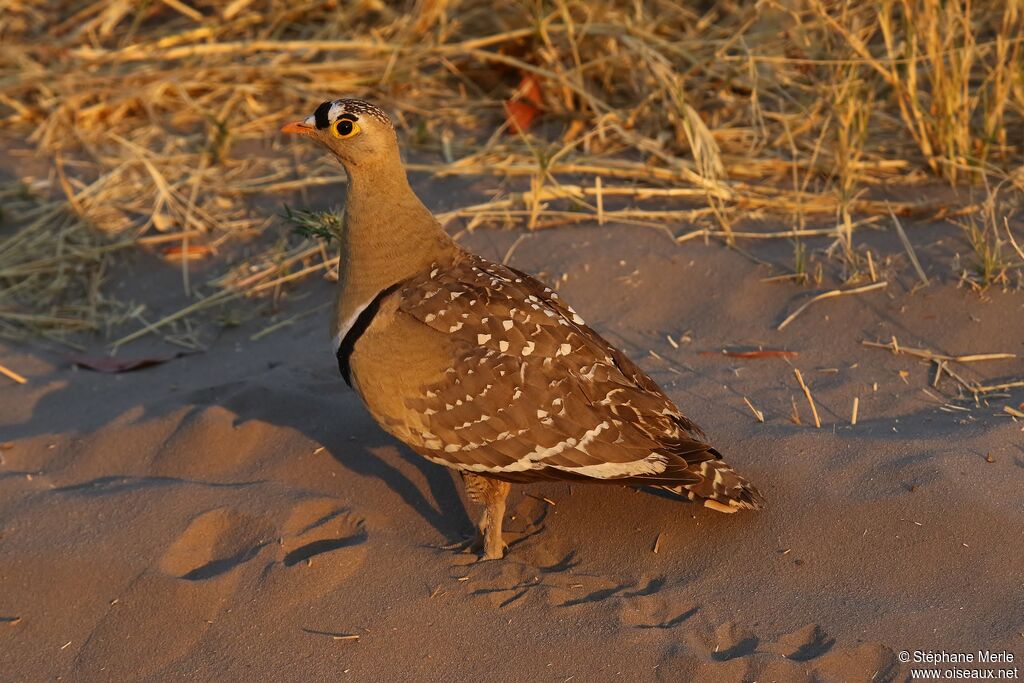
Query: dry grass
x=158, y=121
x=942, y=361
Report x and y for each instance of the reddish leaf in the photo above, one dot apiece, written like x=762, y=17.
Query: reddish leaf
x=112, y=364
x=529, y=90
x=526, y=105
x=766, y=353
x=520, y=116
x=193, y=251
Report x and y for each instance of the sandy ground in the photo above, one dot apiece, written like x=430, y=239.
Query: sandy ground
x=226, y=516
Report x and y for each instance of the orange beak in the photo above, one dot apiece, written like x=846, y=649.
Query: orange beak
x=297, y=127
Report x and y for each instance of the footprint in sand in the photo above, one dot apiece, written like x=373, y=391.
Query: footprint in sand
x=808, y=654
x=823, y=659
x=733, y=641
x=321, y=545
x=551, y=575
x=191, y=581
x=646, y=606
x=803, y=644
x=867, y=662
x=734, y=653
x=317, y=527
x=555, y=580
x=214, y=543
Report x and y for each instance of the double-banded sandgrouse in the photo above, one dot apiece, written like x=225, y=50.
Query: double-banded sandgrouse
x=481, y=368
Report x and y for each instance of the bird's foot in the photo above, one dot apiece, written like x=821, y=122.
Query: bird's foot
x=493, y=545
x=494, y=553
x=478, y=545
x=469, y=544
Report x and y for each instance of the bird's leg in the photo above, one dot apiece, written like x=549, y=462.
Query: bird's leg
x=494, y=514
x=491, y=493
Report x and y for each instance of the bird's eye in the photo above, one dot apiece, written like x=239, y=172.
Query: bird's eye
x=343, y=128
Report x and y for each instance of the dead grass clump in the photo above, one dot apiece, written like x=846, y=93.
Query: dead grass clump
x=997, y=257
x=51, y=266
x=159, y=119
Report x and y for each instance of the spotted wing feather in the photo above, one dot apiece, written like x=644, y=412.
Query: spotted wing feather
x=534, y=393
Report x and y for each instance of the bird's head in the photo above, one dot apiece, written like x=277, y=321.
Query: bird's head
x=357, y=132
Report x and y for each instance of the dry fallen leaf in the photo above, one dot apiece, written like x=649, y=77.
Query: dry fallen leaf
x=525, y=106
x=193, y=251
x=112, y=365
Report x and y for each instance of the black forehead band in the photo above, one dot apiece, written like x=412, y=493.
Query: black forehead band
x=321, y=113
x=321, y=116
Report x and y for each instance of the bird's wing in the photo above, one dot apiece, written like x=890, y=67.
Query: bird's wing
x=534, y=393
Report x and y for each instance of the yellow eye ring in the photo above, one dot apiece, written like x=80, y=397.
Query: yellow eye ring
x=345, y=128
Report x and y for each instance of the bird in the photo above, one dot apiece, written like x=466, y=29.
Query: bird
x=480, y=367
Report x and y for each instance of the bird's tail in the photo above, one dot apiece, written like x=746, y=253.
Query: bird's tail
x=720, y=487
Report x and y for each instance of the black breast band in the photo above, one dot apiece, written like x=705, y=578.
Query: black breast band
x=363, y=320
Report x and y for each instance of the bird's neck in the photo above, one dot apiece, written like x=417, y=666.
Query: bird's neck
x=388, y=236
